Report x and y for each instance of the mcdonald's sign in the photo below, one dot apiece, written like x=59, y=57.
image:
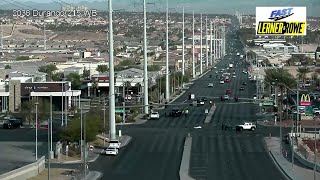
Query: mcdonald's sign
x=305, y=100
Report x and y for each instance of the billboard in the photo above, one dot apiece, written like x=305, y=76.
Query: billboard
x=281, y=21
x=26, y=88
x=305, y=100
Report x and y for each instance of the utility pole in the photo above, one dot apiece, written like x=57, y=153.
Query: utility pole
x=167, y=55
x=111, y=79
x=81, y=133
x=183, y=65
x=211, y=63
x=214, y=42
x=207, y=58
x=145, y=57
x=193, y=63
x=104, y=121
x=201, y=44
x=37, y=129
x=62, y=104
x=44, y=36
x=66, y=105
x=49, y=173
x=51, y=151
x=1, y=40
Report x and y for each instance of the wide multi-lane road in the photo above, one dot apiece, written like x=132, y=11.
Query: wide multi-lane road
x=156, y=148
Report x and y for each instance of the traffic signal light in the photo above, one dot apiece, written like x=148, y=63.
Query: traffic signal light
x=189, y=96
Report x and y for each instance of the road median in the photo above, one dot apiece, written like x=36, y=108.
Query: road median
x=210, y=114
x=185, y=161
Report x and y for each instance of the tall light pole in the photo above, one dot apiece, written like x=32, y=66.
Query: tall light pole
x=51, y=151
x=214, y=42
x=211, y=43
x=66, y=105
x=167, y=55
x=145, y=56
x=201, y=70
x=111, y=79
x=37, y=103
x=193, y=63
x=1, y=39
x=62, y=104
x=44, y=36
x=183, y=65
x=104, y=120
x=81, y=132
x=207, y=58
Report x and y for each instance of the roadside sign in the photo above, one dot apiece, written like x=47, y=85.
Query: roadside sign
x=267, y=103
x=119, y=111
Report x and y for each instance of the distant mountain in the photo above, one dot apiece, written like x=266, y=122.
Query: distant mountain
x=200, y=6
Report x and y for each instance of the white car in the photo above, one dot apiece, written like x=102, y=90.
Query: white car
x=111, y=151
x=114, y=144
x=234, y=76
x=246, y=126
x=316, y=111
x=154, y=115
x=221, y=82
x=210, y=85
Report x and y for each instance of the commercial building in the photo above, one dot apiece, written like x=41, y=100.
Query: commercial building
x=13, y=91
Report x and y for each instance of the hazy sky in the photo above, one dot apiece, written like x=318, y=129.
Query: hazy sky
x=215, y=6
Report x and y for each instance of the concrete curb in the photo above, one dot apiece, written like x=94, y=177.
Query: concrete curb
x=185, y=161
x=210, y=114
x=285, y=174
x=93, y=175
x=262, y=124
x=126, y=142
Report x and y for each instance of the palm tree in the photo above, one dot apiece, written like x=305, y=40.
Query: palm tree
x=302, y=74
x=280, y=78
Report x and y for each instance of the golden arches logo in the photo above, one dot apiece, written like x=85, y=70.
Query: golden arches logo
x=305, y=100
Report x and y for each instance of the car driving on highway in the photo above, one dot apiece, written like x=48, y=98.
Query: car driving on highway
x=154, y=115
x=111, y=151
x=175, y=112
x=12, y=123
x=246, y=126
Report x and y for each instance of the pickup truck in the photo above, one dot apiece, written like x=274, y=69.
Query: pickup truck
x=246, y=126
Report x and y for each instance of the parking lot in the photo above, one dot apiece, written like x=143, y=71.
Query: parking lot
x=18, y=147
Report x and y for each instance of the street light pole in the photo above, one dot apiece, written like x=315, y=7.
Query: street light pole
x=145, y=56
x=211, y=43
x=193, y=54
x=207, y=58
x=62, y=104
x=66, y=105
x=183, y=65
x=167, y=55
x=111, y=78
x=201, y=44
x=85, y=147
x=81, y=132
x=104, y=120
x=37, y=103
x=51, y=151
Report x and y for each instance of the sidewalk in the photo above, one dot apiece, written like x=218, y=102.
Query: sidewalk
x=92, y=154
x=284, y=165
x=288, y=123
x=66, y=174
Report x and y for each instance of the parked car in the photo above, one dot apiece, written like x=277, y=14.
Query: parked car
x=154, y=115
x=114, y=144
x=111, y=151
x=12, y=123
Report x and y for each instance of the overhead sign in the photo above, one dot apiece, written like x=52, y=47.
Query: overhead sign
x=284, y=21
x=305, y=100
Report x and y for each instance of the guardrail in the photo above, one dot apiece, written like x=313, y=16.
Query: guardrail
x=25, y=172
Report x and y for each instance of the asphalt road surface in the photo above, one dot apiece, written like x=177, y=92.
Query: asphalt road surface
x=156, y=148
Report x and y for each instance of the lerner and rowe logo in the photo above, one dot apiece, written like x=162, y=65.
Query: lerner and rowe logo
x=290, y=21
x=305, y=100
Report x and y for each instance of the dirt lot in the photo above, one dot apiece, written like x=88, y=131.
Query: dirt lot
x=80, y=35
x=22, y=31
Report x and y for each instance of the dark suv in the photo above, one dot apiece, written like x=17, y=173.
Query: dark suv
x=175, y=113
x=12, y=123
